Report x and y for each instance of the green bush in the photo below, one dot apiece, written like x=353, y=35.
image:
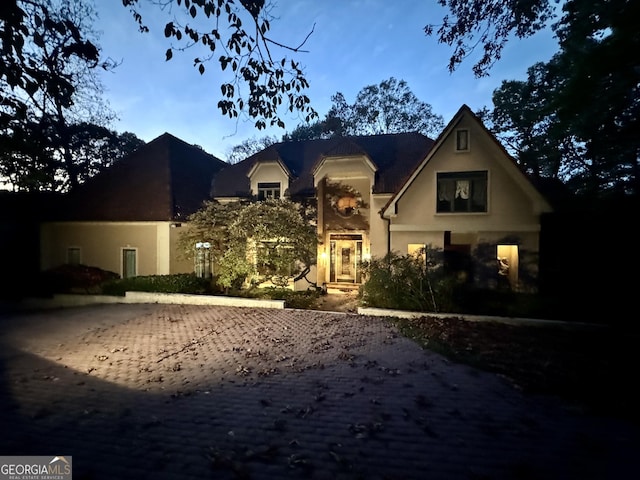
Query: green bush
x=186, y=283
x=402, y=282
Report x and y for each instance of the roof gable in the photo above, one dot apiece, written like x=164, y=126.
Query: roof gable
x=391, y=156
x=269, y=156
x=540, y=203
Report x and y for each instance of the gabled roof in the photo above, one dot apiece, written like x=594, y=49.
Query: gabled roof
x=393, y=155
x=270, y=155
x=542, y=205
x=165, y=180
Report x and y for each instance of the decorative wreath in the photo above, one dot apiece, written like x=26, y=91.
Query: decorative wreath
x=344, y=199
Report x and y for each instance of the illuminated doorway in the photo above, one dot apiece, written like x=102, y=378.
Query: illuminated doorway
x=344, y=259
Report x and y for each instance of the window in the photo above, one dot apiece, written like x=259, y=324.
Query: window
x=507, y=260
x=268, y=190
x=129, y=262
x=462, y=192
x=462, y=140
x=418, y=251
x=73, y=255
x=203, y=260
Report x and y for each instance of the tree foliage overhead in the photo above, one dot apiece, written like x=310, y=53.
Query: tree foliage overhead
x=389, y=107
x=38, y=37
x=50, y=96
x=49, y=88
x=488, y=25
x=577, y=117
x=235, y=34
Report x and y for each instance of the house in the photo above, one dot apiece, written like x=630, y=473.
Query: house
x=127, y=218
x=461, y=198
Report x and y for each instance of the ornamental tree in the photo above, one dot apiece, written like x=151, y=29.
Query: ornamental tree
x=271, y=240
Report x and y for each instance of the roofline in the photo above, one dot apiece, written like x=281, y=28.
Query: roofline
x=464, y=109
x=278, y=161
x=187, y=144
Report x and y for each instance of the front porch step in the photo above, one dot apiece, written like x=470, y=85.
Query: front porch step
x=339, y=287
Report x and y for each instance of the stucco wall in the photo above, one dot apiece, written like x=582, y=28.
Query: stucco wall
x=510, y=208
x=178, y=264
x=269, y=172
x=378, y=227
x=101, y=244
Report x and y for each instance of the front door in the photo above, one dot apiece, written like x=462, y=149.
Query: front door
x=346, y=254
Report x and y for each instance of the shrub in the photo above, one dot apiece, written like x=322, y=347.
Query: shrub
x=74, y=279
x=186, y=283
x=301, y=299
x=404, y=283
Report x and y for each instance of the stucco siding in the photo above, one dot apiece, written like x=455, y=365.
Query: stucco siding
x=101, y=244
x=344, y=168
x=178, y=263
x=401, y=240
x=509, y=207
x=378, y=233
x=266, y=173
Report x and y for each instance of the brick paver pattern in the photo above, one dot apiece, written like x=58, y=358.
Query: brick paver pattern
x=180, y=392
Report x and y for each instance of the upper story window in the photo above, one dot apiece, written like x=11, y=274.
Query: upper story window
x=462, y=140
x=462, y=192
x=268, y=190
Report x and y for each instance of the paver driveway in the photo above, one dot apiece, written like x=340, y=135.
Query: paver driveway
x=175, y=391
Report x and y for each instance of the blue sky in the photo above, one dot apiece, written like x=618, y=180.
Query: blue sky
x=355, y=43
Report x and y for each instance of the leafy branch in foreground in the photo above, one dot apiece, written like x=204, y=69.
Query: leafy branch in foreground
x=238, y=35
x=487, y=24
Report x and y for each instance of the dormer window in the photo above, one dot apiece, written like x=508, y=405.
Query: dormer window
x=268, y=190
x=462, y=140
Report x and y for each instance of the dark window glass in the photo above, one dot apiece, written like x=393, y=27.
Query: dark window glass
x=462, y=192
x=268, y=190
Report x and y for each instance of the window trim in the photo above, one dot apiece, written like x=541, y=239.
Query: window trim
x=462, y=140
x=265, y=187
x=122, y=259
x=75, y=249
x=458, y=191
x=202, y=260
